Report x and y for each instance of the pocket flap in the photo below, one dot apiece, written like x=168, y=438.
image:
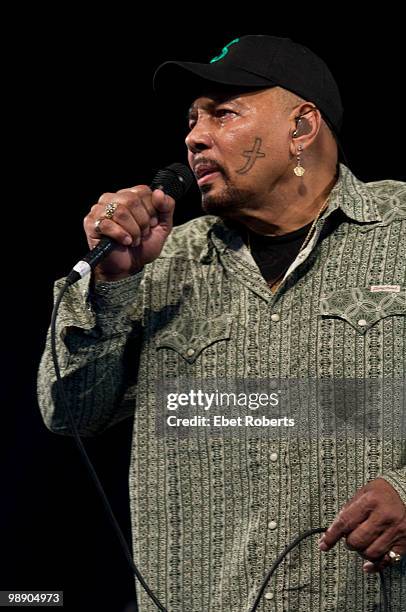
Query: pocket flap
x=189, y=337
x=362, y=307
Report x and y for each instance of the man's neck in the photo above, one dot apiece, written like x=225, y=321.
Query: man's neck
x=291, y=208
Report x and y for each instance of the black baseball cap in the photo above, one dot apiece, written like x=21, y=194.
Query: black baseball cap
x=260, y=61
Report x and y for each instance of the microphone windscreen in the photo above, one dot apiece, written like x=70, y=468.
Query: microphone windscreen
x=175, y=180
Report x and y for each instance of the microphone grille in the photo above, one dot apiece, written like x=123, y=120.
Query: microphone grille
x=175, y=180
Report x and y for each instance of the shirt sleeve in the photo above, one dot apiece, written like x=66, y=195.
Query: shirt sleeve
x=397, y=478
x=98, y=336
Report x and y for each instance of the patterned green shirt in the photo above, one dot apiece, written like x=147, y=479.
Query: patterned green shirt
x=210, y=513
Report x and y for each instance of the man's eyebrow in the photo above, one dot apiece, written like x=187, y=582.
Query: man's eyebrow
x=219, y=99
x=208, y=104
x=193, y=109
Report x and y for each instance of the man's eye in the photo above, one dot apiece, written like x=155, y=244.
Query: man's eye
x=219, y=113
x=223, y=112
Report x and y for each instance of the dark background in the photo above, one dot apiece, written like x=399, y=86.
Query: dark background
x=85, y=121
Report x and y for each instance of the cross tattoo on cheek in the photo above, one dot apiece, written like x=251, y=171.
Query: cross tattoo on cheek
x=252, y=155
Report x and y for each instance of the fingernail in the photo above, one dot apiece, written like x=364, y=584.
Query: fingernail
x=322, y=545
x=128, y=240
x=153, y=222
x=368, y=566
x=137, y=241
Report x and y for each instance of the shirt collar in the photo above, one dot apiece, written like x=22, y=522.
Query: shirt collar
x=349, y=194
x=353, y=197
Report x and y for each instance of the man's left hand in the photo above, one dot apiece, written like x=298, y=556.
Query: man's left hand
x=373, y=522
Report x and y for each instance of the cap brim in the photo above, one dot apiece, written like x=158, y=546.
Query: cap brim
x=171, y=75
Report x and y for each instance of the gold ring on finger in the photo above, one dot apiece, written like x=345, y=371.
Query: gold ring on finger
x=394, y=557
x=110, y=210
x=97, y=224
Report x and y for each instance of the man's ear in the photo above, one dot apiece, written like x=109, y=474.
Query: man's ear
x=306, y=126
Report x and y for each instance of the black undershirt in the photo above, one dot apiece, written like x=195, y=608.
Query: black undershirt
x=274, y=254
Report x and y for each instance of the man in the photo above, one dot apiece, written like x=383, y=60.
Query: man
x=296, y=274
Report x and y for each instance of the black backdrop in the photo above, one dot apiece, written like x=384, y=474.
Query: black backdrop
x=87, y=122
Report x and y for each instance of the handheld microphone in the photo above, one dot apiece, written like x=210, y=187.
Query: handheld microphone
x=174, y=180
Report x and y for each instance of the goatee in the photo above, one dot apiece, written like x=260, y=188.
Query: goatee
x=227, y=203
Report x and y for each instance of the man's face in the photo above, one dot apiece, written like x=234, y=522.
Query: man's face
x=238, y=148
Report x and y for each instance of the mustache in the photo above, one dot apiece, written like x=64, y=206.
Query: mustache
x=211, y=162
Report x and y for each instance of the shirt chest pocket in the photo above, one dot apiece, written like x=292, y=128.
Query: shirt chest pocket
x=189, y=337
x=363, y=308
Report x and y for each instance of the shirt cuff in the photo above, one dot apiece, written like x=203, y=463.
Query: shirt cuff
x=397, y=479
x=114, y=294
x=85, y=303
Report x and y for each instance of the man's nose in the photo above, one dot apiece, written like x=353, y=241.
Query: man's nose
x=199, y=138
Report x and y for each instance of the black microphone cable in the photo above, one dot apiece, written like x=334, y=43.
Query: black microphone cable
x=279, y=560
x=291, y=546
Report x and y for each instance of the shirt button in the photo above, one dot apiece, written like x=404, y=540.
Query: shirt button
x=190, y=352
x=273, y=456
x=362, y=322
x=275, y=317
x=268, y=595
x=272, y=525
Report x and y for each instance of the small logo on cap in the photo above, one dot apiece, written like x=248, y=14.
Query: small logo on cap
x=224, y=51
